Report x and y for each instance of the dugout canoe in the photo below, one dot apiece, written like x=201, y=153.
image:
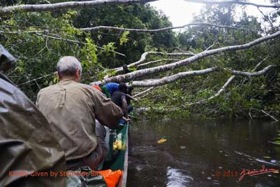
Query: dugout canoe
x=119, y=158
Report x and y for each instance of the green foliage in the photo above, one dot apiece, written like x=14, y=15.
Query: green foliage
x=39, y=39
x=109, y=49
x=244, y=97
x=131, y=44
x=277, y=139
x=89, y=51
x=124, y=38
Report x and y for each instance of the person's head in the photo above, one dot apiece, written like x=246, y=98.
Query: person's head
x=129, y=90
x=6, y=59
x=69, y=67
x=125, y=68
x=122, y=87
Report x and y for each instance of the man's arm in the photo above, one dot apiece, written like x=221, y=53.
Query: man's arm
x=129, y=96
x=124, y=107
x=106, y=112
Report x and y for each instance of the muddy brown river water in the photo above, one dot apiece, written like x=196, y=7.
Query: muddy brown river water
x=204, y=153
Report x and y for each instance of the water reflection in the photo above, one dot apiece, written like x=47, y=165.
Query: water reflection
x=202, y=153
x=176, y=178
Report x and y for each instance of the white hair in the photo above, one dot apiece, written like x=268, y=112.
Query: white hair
x=68, y=66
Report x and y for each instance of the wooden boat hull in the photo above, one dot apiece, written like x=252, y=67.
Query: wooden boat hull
x=119, y=158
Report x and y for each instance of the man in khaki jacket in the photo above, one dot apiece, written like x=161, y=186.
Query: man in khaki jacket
x=27, y=144
x=71, y=109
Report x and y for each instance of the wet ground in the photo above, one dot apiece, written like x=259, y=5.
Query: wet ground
x=203, y=153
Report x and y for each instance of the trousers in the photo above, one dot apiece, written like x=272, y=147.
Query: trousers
x=96, y=157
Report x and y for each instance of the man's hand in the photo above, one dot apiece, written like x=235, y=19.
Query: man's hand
x=127, y=119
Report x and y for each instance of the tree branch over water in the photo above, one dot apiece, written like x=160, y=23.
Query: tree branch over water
x=63, y=5
x=156, y=30
x=216, y=94
x=230, y=80
x=192, y=59
x=144, y=56
x=172, y=78
x=83, y=4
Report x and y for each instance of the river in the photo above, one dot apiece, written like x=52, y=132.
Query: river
x=203, y=153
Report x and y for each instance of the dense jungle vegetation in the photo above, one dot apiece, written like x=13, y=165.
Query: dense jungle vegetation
x=39, y=38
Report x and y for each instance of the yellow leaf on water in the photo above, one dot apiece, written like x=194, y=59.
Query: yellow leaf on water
x=162, y=140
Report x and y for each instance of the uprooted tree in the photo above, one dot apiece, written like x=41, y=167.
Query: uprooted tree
x=220, y=65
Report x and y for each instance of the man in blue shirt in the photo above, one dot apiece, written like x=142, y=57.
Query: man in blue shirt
x=119, y=98
x=109, y=88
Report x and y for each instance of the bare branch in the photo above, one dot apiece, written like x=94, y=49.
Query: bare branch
x=20, y=32
x=216, y=94
x=144, y=55
x=172, y=78
x=249, y=74
x=34, y=80
x=55, y=37
x=229, y=81
x=234, y=2
x=156, y=30
x=266, y=113
x=266, y=18
x=260, y=63
x=223, y=88
x=143, y=92
x=155, y=61
x=139, y=73
x=210, y=46
x=63, y=5
x=75, y=41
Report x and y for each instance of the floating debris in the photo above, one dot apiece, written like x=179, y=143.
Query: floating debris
x=162, y=140
x=182, y=147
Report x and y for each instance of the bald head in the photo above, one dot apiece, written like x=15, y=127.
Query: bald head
x=69, y=66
